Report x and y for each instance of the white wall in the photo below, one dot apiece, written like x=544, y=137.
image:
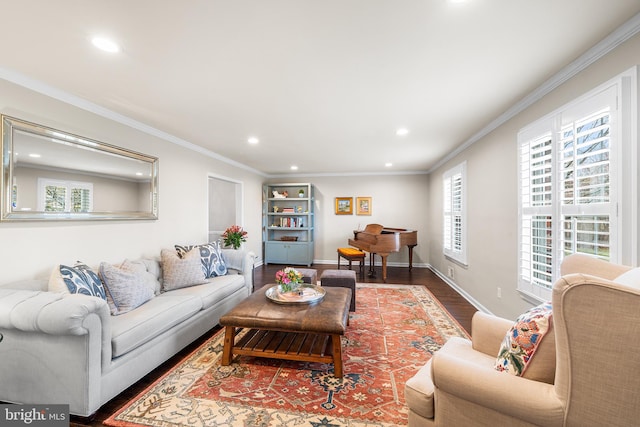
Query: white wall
x=398, y=201
x=407, y=201
x=32, y=249
x=492, y=193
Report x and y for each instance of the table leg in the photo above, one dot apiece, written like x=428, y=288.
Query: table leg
x=337, y=356
x=229, y=339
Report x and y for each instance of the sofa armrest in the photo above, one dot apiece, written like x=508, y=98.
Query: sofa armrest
x=242, y=262
x=56, y=314
x=488, y=332
x=521, y=398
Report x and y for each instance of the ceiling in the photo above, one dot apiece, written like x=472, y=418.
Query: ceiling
x=323, y=85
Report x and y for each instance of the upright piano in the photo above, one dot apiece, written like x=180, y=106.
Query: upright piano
x=377, y=239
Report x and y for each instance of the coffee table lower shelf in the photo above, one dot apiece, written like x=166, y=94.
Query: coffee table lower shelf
x=298, y=346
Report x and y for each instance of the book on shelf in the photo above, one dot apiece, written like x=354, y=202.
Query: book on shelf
x=290, y=222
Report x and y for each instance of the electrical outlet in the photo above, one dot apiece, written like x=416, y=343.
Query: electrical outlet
x=499, y=292
x=450, y=272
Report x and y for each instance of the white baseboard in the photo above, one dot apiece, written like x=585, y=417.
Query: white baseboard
x=461, y=291
x=375, y=264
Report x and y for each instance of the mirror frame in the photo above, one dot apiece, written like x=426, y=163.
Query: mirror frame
x=11, y=124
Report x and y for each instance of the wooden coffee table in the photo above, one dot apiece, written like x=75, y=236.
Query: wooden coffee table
x=302, y=332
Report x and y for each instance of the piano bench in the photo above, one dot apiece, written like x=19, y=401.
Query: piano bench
x=351, y=254
x=341, y=279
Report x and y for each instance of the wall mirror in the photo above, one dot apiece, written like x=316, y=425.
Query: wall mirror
x=49, y=174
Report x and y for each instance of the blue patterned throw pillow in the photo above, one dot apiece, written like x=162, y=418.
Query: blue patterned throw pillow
x=211, y=257
x=80, y=279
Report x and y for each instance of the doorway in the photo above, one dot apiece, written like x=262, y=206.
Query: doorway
x=225, y=205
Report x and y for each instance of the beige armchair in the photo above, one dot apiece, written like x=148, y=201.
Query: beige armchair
x=595, y=339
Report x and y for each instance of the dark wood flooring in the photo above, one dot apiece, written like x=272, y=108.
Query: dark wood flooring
x=459, y=308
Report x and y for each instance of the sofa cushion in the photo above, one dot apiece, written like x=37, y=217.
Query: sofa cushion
x=630, y=278
x=181, y=272
x=524, y=340
x=213, y=263
x=79, y=279
x=127, y=285
x=132, y=329
x=215, y=290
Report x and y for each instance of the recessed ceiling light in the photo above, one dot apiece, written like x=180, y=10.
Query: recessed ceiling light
x=388, y=164
x=294, y=168
x=105, y=44
x=253, y=140
x=138, y=173
x=402, y=132
x=35, y=155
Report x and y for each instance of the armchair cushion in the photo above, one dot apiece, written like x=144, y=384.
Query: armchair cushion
x=524, y=340
x=630, y=278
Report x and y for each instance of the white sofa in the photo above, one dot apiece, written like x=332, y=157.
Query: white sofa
x=69, y=349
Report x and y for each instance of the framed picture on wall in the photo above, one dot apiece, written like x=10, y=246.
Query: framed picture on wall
x=363, y=205
x=344, y=205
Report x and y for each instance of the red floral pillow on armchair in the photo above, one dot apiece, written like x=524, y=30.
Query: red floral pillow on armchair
x=524, y=339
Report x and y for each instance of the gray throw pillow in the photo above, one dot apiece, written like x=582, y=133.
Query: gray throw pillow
x=181, y=272
x=126, y=289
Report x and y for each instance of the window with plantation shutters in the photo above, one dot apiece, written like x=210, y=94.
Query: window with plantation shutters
x=570, y=195
x=454, y=238
x=64, y=196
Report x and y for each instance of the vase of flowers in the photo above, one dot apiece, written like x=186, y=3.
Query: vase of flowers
x=289, y=279
x=234, y=236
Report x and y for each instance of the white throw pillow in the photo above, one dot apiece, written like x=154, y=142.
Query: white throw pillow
x=631, y=278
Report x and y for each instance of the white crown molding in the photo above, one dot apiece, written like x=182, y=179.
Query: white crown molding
x=53, y=92
x=327, y=174
x=606, y=45
x=609, y=43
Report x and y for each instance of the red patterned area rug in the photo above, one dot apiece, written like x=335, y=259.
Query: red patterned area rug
x=394, y=331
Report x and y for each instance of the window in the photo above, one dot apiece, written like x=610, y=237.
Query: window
x=454, y=213
x=571, y=197
x=64, y=196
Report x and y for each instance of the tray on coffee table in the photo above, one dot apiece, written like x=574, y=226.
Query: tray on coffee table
x=306, y=294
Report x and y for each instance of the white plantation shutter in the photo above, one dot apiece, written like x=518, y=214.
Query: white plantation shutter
x=55, y=198
x=585, y=185
x=566, y=200
x=81, y=198
x=536, y=186
x=454, y=227
x=64, y=196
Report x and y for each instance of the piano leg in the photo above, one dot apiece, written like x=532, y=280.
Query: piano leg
x=384, y=267
x=411, y=256
x=372, y=271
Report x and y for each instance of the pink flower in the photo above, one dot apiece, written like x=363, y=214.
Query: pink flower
x=289, y=278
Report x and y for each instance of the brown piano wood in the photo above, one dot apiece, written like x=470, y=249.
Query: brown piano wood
x=384, y=242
